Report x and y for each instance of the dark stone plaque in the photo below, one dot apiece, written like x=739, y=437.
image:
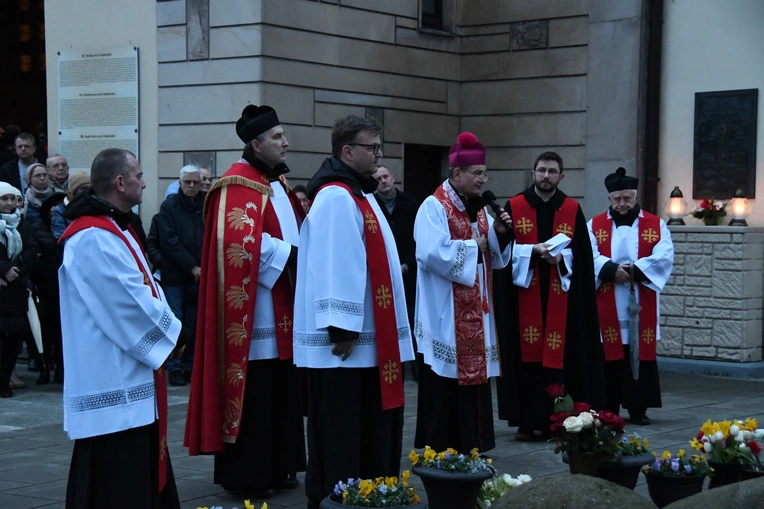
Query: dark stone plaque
x=725, y=144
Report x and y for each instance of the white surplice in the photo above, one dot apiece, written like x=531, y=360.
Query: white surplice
x=115, y=334
x=334, y=286
x=274, y=254
x=442, y=261
x=624, y=248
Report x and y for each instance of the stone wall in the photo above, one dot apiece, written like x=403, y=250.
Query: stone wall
x=712, y=306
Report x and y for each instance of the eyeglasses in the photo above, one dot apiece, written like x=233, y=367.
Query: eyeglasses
x=376, y=148
x=190, y=182
x=481, y=176
x=551, y=173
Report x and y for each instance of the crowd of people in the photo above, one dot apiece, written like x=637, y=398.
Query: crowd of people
x=277, y=303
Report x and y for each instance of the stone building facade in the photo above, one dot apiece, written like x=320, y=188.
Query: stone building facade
x=518, y=74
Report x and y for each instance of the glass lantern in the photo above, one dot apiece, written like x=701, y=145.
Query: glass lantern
x=739, y=209
x=676, y=207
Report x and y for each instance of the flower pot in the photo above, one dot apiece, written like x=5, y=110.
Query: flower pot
x=724, y=473
x=331, y=502
x=750, y=474
x=450, y=490
x=586, y=463
x=665, y=489
x=625, y=472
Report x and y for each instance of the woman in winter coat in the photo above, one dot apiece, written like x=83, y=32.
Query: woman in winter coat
x=18, y=257
x=39, y=189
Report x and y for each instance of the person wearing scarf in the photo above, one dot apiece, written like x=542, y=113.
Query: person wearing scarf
x=18, y=256
x=39, y=189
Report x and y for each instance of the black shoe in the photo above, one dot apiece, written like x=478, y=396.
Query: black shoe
x=44, y=377
x=640, y=420
x=285, y=484
x=6, y=393
x=258, y=492
x=33, y=365
x=176, y=379
x=58, y=375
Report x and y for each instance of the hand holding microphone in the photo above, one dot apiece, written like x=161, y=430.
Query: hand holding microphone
x=503, y=222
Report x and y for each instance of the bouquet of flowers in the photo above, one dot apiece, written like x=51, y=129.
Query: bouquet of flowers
x=451, y=460
x=731, y=442
x=710, y=211
x=580, y=429
x=669, y=465
x=379, y=492
x=633, y=445
x=495, y=487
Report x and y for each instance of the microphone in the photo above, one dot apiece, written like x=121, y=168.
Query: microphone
x=490, y=199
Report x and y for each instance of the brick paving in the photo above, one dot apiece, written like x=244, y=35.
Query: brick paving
x=35, y=452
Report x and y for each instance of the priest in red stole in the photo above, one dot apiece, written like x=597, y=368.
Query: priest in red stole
x=351, y=327
x=458, y=243
x=546, y=306
x=633, y=258
x=245, y=404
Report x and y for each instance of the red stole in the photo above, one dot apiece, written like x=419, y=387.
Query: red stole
x=469, y=304
x=237, y=211
x=649, y=235
x=385, y=322
x=83, y=223
x=542, y=342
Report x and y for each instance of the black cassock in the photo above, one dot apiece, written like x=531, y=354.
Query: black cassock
x=522, y=399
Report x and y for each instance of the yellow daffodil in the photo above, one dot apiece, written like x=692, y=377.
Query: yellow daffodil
x=414, y=457
x=707, y=428
x=695, y=444
x=751, y=424
x=405, y=478
x=724, y=426
x=666, y=455
x=680, y=454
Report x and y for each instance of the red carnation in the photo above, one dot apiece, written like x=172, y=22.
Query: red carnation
x=705, y=204
x=579, y=408
x=557, y=420
x=467, y=140
x=611, y=420
x=555, y=391
x=755, y=448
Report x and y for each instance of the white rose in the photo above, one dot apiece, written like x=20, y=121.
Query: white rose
x=707, y=447
x=523, y=478
x=734, y=430
x=740, y=437
x=573, y=424
x=587, y=419
x=506, y=478
x=513, y=482
x=719, y=435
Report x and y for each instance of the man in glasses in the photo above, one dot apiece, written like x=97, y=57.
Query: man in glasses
x=457, y=245
x=245, y=399
x=351, y=328
x=548, y=328
x=181, y=232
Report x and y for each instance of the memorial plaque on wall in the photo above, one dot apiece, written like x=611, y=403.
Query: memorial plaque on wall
x=97, y=103
x=725, y=144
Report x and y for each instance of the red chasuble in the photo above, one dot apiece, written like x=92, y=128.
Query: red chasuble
x=542, y=342
x=649, y=235
x=237, y=212
x=469, y=304
x=83, y=223
x=385, y=322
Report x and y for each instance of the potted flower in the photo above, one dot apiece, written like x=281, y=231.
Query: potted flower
x=710, y=212
x=379, y=492
x=493, y=488
x=673, y=477
x=585, y=435
x=452, y=480
x=729, y=446
x=623, y=468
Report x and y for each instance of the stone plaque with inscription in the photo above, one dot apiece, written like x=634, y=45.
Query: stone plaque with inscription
x=725, y=144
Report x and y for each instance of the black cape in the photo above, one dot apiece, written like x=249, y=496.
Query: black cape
x=522, y=399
